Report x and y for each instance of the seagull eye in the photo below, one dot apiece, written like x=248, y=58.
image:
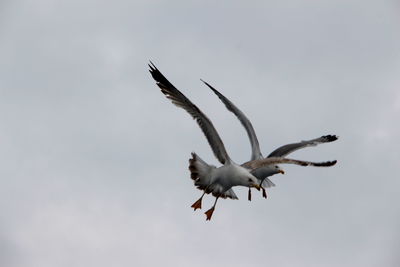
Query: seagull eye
x=250, y=180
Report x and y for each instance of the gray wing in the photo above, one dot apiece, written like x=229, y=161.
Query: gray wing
x=182, y=101
x=289, y=148
x=255, y=164
x=255, y=147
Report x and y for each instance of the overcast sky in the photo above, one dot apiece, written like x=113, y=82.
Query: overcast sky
x=94, y=158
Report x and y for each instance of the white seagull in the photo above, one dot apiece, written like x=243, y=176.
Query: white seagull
x=218, y=181
x=264, y=172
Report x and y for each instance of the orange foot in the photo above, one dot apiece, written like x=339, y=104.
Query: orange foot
x=197, y=205
x=264, y=193
x=209, y=213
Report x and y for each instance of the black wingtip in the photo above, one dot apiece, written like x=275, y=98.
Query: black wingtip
x=157, y=75
x=206, y=83
x=212, y=88
x=151, y=66
x=330, y=138
x=326, y=164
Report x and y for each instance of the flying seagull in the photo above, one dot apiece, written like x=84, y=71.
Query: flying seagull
x=218, y=181
x=264, y=172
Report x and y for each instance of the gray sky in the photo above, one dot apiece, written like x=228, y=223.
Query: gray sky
x=94, y=158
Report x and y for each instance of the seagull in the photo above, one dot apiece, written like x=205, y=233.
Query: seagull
x=264, y=172
x=217, y=181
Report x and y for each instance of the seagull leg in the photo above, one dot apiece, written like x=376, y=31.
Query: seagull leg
x=249, y=195
x=209, y=212
x=197, y=205
x=264, y=192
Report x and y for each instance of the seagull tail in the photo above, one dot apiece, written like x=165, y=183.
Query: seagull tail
x=267, y=183
x=229, y=194
x=200, y=172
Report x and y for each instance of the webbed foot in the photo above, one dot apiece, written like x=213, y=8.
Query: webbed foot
x=209, y=213
x=197, y=205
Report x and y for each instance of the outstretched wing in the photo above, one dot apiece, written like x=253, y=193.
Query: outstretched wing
x=182, y=101
x=255, y=147
x=289, y=148
x=255, y=164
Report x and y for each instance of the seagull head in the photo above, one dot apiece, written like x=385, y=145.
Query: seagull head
x=252, y=181
x=277, y=169
x=268, y=171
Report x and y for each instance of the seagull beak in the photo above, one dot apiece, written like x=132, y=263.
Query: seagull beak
x=282, y=171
